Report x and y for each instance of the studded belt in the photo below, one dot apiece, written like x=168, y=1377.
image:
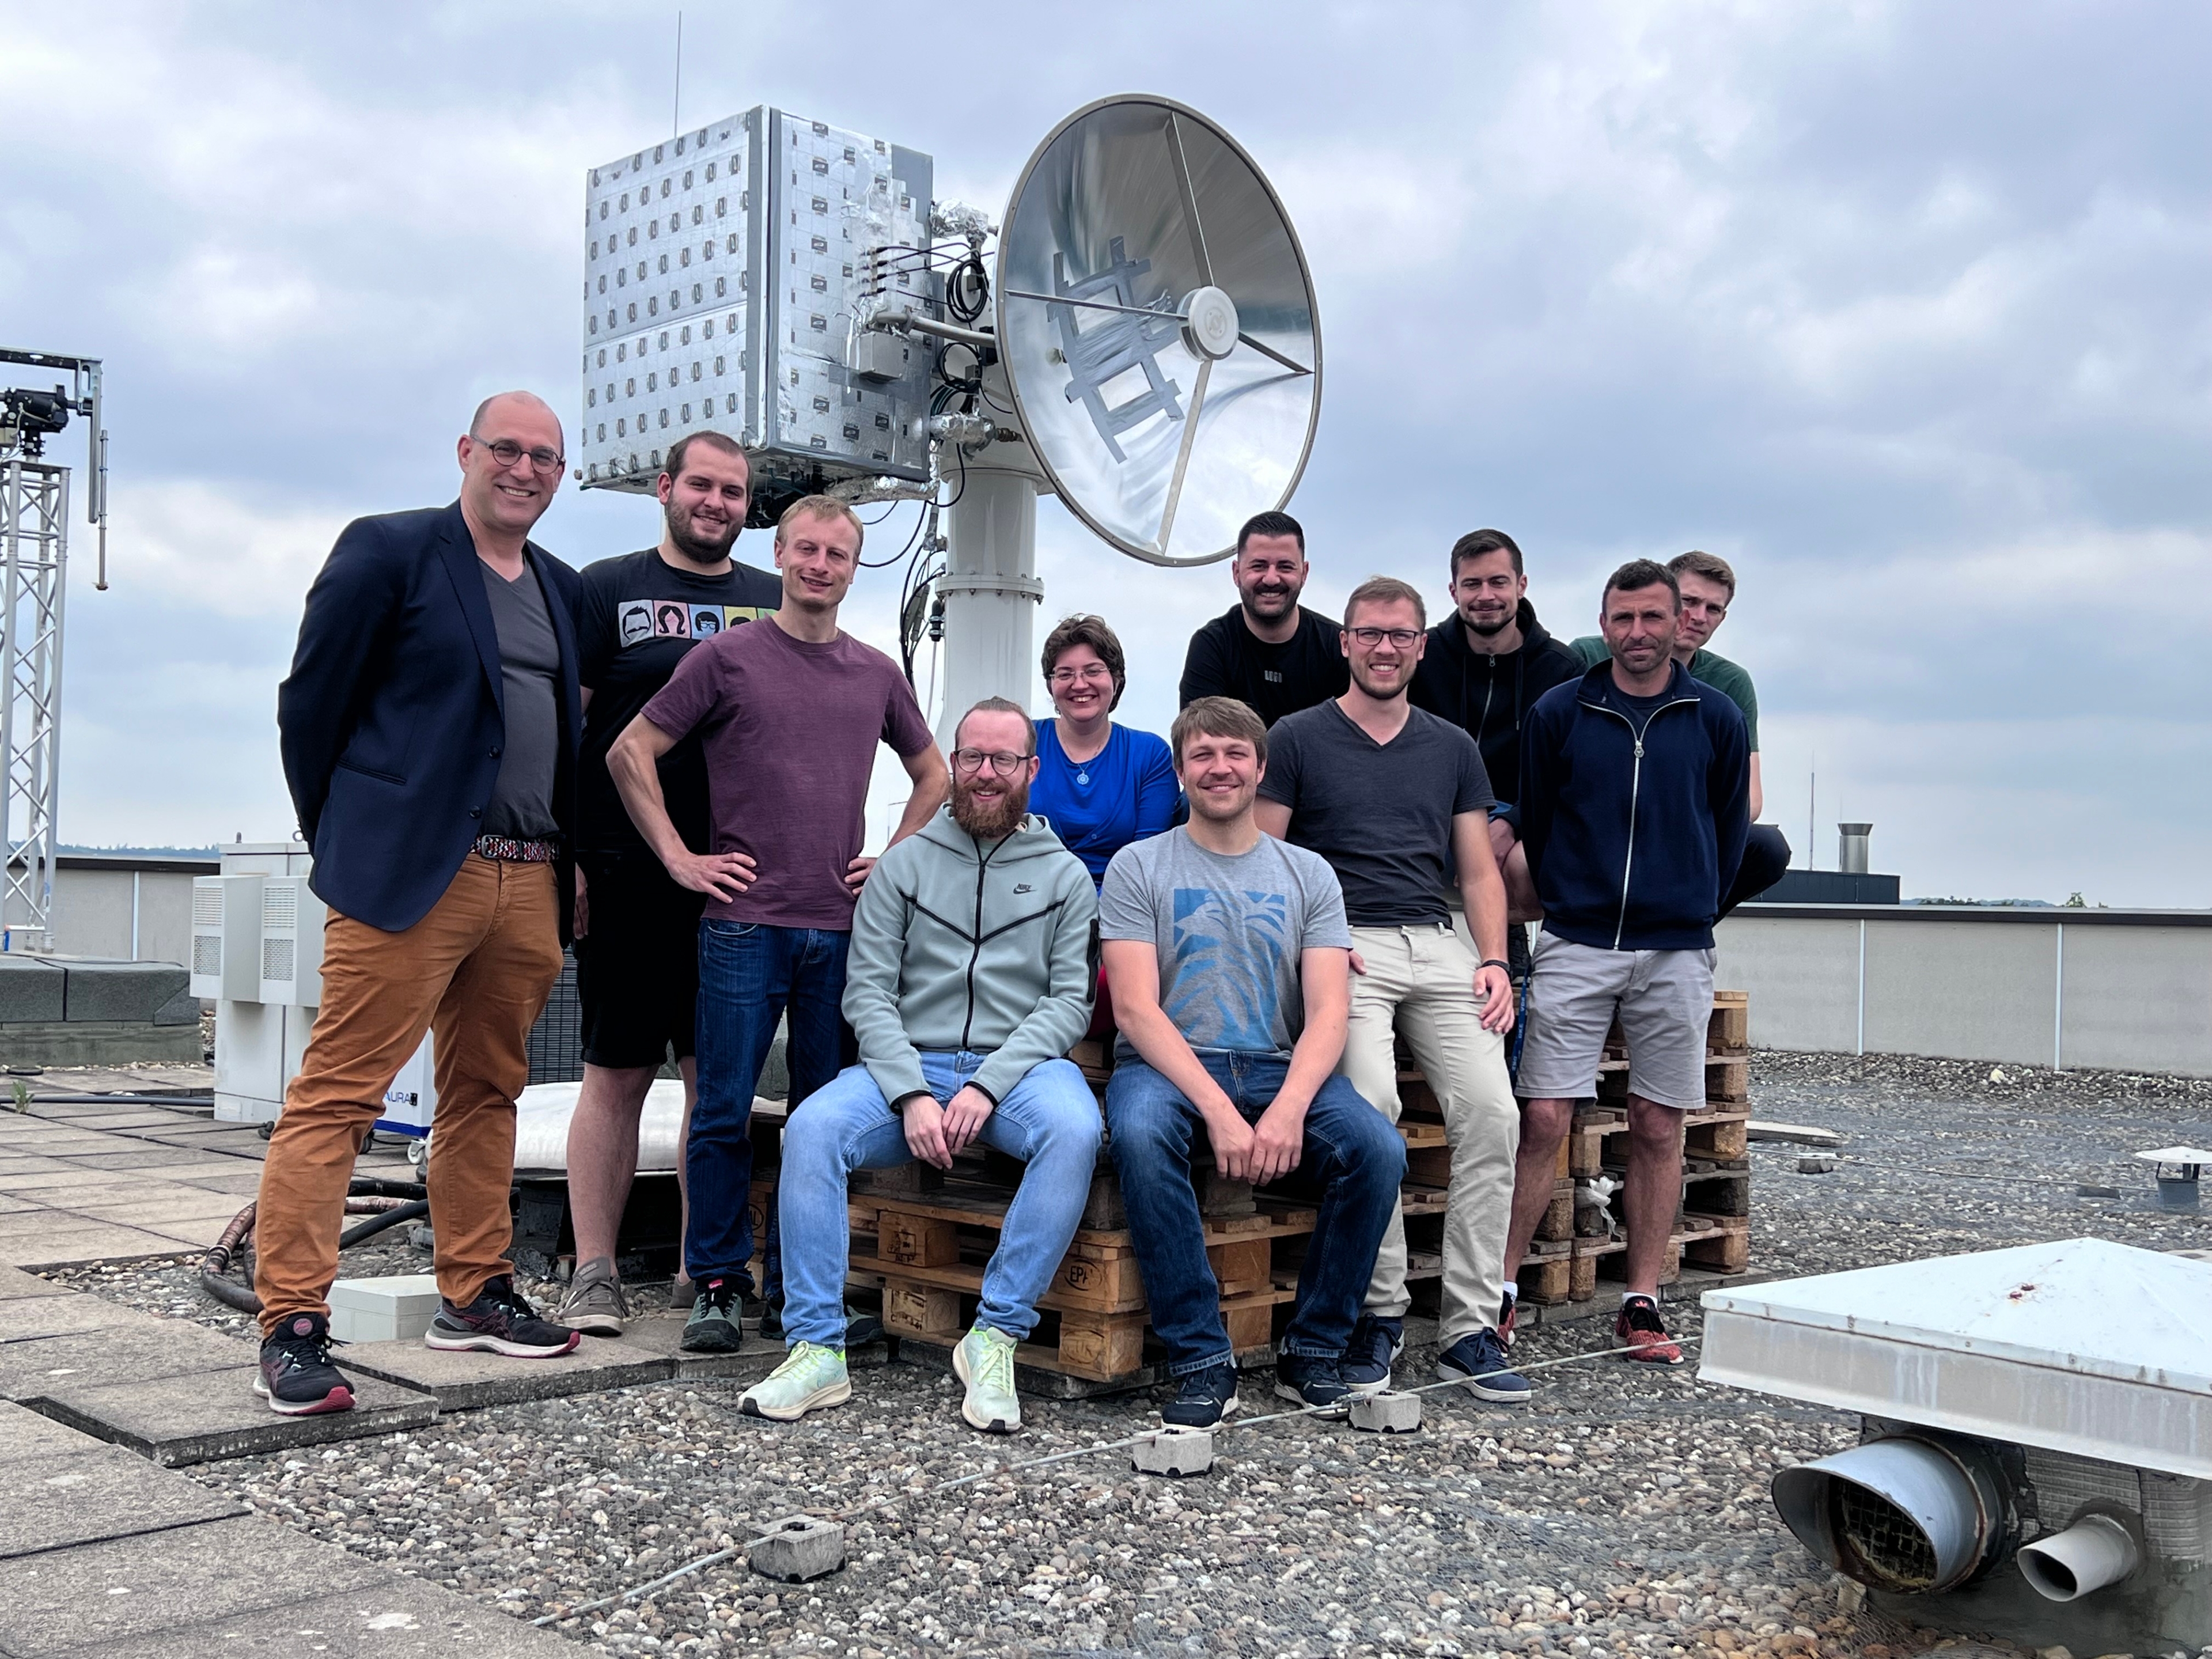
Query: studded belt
x=508, y=850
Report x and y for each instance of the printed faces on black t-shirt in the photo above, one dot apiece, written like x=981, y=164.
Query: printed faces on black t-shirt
x=638, y=616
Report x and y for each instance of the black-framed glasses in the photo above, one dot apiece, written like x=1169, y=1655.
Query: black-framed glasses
x=1003, y=763
x=1403, y=638
x=507, y=453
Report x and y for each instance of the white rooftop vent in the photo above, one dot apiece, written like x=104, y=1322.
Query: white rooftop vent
x=2036, y=1435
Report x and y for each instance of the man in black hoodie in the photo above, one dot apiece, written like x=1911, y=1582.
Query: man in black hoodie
x=1635, y=802
x=1484, y=668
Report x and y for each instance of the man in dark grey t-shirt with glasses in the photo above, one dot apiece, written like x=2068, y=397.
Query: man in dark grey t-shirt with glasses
x=1394, y=798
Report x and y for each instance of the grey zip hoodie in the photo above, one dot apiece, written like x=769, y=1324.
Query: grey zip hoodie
x=959, y=945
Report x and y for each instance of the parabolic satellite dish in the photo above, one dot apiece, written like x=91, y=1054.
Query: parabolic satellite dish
x=1157, y=322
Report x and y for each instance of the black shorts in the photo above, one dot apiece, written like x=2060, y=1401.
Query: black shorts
x=637, y=965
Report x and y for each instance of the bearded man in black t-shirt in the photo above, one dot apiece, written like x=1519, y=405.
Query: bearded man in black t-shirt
x=636, y=931
x=1268, y=652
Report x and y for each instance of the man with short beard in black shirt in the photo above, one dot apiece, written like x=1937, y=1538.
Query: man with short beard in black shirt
x=636, y=931
x=1268, y=652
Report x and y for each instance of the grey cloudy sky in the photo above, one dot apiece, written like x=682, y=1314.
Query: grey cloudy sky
x=1901, y=308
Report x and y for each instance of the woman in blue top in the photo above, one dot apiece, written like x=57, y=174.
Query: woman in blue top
x=1100, y=785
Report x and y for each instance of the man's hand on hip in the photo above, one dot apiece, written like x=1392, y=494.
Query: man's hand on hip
x=718, y=875
x=964, y=1117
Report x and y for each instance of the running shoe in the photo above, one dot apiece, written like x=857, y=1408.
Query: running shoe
x=1478, y=1361
x=296, y=1376
x=1312, y=1382
x=1202, y=1399
x=499, y=1321
x=984, y=1360
x=1374, y=1346
x=713, y=1327
x=1641, y=1333
x=595, y=1304
x=811, y=1376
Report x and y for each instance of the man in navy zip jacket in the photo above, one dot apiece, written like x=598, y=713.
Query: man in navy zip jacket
x=1635, y=802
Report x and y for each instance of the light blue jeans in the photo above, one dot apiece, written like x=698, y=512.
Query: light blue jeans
x=1049, y=1120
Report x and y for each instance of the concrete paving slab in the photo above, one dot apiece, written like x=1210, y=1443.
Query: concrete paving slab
x=211, y=1415
x=116, y=1187
x=24, y=1433
x=198, y=1234
x=237, y=1179
x=463, y=1382
x=394, y=1619
x=755, y=1360
x=90, y=1496
x=155, y=1211
x=126, y=1596
x=132, y=1347
x=88, y=1247
x=171, y=1163
x=28, y=1319
x=10, y=1205
x=108, y=1119
x=53, y=1172
x=15, y=1283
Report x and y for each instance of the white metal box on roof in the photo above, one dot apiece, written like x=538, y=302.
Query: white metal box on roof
x=2082, y=1346
x=722, y=270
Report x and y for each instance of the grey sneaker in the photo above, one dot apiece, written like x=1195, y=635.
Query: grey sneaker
x=811, y=1376
x=985, y=1362
x=713, y=1327
x=595, y=1304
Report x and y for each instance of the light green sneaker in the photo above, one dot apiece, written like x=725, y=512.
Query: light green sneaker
x=810, y=1376
x=985, y=1362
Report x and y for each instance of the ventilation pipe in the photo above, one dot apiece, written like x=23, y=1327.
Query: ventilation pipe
x=1851, y=848
x=2095, y=1551
x=1908, y=1515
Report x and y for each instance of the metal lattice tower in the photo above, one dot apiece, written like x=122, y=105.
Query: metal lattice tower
x=34, y=496
x=34, y=558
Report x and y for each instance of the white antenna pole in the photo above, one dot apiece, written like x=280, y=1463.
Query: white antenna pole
x=676, y=111
x=1812, y=813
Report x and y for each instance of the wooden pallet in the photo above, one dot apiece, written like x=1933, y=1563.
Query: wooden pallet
x=1598, y=1140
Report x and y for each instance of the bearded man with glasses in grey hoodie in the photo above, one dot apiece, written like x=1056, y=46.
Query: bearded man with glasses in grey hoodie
x=974, y=958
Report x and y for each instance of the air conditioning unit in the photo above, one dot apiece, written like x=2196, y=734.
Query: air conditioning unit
x=413, y=1096
x=2036, y=1437
x=226, y=938
x=291, y=943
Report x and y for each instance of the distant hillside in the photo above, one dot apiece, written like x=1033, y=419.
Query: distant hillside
x=145, y=851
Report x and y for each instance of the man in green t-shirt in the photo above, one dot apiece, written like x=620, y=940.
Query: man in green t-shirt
x=1708, y=583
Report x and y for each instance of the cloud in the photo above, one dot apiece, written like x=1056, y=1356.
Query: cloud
x=1900, y=308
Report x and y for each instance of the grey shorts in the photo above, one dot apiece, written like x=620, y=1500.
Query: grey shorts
x=1665, y=1002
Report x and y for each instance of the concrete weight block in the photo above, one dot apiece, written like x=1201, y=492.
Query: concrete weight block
x=796, y=1548
x=30, y=990
x=120, y=990
x=1387, y=1412
x=1177, y=1452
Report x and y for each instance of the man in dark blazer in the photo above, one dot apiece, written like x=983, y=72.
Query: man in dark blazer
x=428, y=729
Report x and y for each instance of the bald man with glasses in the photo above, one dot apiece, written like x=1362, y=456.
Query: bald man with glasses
x=429, y=730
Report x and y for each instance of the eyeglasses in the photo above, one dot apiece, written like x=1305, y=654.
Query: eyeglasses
x=971, y=760
x=1403, y=638
x=1096, y=671
x=507, y=453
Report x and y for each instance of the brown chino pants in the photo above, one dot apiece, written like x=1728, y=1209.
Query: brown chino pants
x=475, y=971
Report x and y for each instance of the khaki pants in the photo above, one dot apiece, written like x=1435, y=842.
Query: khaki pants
x=1420, y=982
x=475, y=971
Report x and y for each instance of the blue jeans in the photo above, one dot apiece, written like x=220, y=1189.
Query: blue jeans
x=750, y=975
x=1049, y=1120
x=1352, y=1154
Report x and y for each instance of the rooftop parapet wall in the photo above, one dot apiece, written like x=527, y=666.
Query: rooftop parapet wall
x=2127, y=990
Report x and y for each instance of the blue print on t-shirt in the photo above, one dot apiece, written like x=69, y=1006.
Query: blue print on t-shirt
x=1228, y=947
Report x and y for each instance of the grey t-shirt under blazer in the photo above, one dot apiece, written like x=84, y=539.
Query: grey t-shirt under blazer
x=521, y=802
x=1381, y=813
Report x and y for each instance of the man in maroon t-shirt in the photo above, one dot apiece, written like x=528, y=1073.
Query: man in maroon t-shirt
x=789, y=712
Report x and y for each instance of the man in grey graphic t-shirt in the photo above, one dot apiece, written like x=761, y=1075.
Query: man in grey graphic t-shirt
x=1227, y=958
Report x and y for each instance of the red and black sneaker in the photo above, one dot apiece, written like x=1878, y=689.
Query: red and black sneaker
x=1642, y=1334
x=500, y=1322
x=296, y=1376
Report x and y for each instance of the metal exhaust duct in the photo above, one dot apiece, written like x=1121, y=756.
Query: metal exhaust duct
x=1851, y=848
x=1907, y=1515
x=2095, y=1551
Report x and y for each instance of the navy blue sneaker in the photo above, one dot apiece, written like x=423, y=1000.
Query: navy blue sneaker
x=1202, y=1399
x=1312, y=1382
x=1479, y=1362
x=1374, y=1346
